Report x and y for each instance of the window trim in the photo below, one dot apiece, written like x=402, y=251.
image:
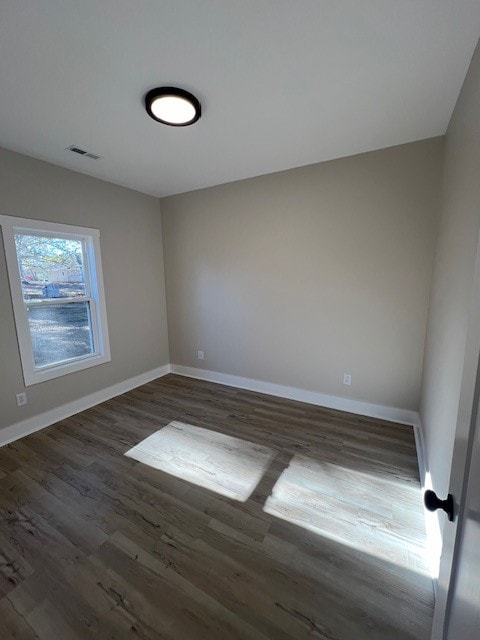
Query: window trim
x=95, y=295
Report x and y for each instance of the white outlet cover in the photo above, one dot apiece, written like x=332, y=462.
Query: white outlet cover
x=200, y=355
x=347, y=378
x=21, y=399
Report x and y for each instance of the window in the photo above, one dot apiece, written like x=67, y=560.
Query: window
x=56, y=285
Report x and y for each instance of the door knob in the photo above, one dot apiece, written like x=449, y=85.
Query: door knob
x=433, y=502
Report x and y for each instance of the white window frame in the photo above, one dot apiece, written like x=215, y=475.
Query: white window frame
x=94, y=296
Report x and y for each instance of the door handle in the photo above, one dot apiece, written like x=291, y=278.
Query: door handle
x=433, y=502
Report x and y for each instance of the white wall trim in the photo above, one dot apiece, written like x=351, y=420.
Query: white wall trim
x=38, y=422
x=421, y=451
x=382, y=412
x=393, y=414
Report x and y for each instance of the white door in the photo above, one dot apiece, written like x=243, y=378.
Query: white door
x=457, y=605
x=463, y=619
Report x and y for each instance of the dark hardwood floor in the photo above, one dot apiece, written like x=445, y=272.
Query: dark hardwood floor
x=301, y=522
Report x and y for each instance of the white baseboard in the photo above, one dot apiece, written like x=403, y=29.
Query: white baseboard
x=393, y=414
x=30, y=425
x=421, y=451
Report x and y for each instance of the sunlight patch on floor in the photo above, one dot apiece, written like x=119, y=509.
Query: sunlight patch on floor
x=226, y=465
x=377, y=516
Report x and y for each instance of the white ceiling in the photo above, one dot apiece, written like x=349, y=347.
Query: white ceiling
x=283, y=83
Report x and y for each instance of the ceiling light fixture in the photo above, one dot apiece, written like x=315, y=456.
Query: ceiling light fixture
x=172, y=106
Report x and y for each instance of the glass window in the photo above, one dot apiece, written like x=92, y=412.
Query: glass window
x=60, y=332
x=57, y=294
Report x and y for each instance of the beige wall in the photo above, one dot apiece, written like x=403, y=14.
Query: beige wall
x=300, y=276
x=131, y=246
x=451, y=296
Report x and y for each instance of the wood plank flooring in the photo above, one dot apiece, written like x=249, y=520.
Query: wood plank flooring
x=329, y=544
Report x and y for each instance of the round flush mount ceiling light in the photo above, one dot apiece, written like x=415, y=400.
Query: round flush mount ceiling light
x=172, y=106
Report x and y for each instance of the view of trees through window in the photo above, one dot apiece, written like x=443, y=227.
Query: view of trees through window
x=51, y=273
x=45, y=260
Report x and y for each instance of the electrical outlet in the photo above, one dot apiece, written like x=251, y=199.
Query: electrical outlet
x=347, y=378
x=200, y=355
x=21, y=399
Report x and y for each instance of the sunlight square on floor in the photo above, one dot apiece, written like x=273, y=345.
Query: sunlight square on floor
x=221, y=463
x=353, y=507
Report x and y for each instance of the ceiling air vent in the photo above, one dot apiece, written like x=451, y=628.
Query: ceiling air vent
x=81, y=152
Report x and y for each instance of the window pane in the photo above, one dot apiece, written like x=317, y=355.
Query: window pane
x=60, y=332
x=50, y=267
